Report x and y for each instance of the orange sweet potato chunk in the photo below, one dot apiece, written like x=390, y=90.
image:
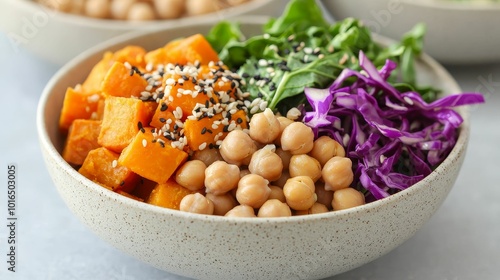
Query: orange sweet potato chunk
x=82, y=138
x=154, y=160
x=191, y=49
x=77, y=105
x=92, y=83
x=168, y=195
x=202, y=132
x=101, y=166
x=119, y=82
x=161, y=116
x=131, y=54
x=121, y=119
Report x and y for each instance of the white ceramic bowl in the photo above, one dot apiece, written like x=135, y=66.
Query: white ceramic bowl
x=213, y=247
x=457, y=32
x=58, y=37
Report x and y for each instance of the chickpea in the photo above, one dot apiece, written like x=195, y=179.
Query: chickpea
x=97, y=8
x=347, y=198
x=221, y=177
x=274, y=208
x=237, y=148
x=266, y=163
x=141, y=11
x=253, y=190
x=297, y=138
x=208, y=156
x=317, y=208
x=241, y=211
x=191, y=175
x=236, y=2
x=222, y=203
x=323, y=196
x=282, y=180
x=284, y=122
x=304, y=165
x=199, y=7
x=59, y=5
x=299, y=192
x=168, y=9
x=276, y=193
x=78, y=7
x=285, y=157
x=337, y=173
x=264, y=127
x=120, y=8
x=197, y=203
x=325, y=148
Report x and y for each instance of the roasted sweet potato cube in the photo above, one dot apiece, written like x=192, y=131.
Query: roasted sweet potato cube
x=101, y=166
x=92, y=83
x=168, y=195
x=184, y=95
x=124, y=82
x=77, y=105
x=131, y=54
x=190, y=50
x=82, y=138
x=152, y=157
x=162, y=116
x=207, y=131
x=122, y=119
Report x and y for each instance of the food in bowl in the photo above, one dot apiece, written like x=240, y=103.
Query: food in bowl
x=136, y=10
x=218, y=124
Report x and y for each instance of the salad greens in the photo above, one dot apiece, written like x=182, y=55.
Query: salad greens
x=301, y=49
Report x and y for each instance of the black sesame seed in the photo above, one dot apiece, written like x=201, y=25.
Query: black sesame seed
x=132, y=71
x=161, y=95
x=184, y=77
x=225, y=128
x=201, y=84
x=230, y=77
x=211, y=145
x=162, y=144
x=256, y=77
x=228, y=115
x=212, y=100
x=153, y=130
x=194, y=80
x=272, y=87
x=163, y=120
x=245, y=75
x=239, y=120
x=203, y=130
x=122, y=183
x=176, y=127
x=209, y=131
x=286, y=51
x=207, y=104
x=163, y=107
x=260, y=95
x=233, y=84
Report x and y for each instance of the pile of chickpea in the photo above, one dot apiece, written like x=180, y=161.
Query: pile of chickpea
x=139, y=10
x=275, y=169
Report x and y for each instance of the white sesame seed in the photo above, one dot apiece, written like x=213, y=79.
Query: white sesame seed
x=321, y=56
x=202, y=146
x=93, y=98
x=254, y=110
x=262, y=63
x=94, y=116
x=169, y=81
x=269, y=69
x=149, y=67
x=144, y=142
x=231, y=126
x=308, y=50
x=266, y=36
x=215, y=126
x=127, y=65
x=114, y=163
x=263, y=105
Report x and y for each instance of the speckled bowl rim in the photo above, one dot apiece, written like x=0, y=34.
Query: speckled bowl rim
x=108, y=24
x=47, y=144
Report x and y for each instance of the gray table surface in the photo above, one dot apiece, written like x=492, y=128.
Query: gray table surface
x=461, y=241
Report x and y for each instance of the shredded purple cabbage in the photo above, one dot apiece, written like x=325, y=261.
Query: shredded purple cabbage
x=393, y=138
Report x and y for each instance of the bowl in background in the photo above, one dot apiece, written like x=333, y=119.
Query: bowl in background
x=214, y=247
x=458, y=32
x=58, y=37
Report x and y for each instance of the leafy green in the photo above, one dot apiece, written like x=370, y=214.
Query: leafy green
x=301, y=49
